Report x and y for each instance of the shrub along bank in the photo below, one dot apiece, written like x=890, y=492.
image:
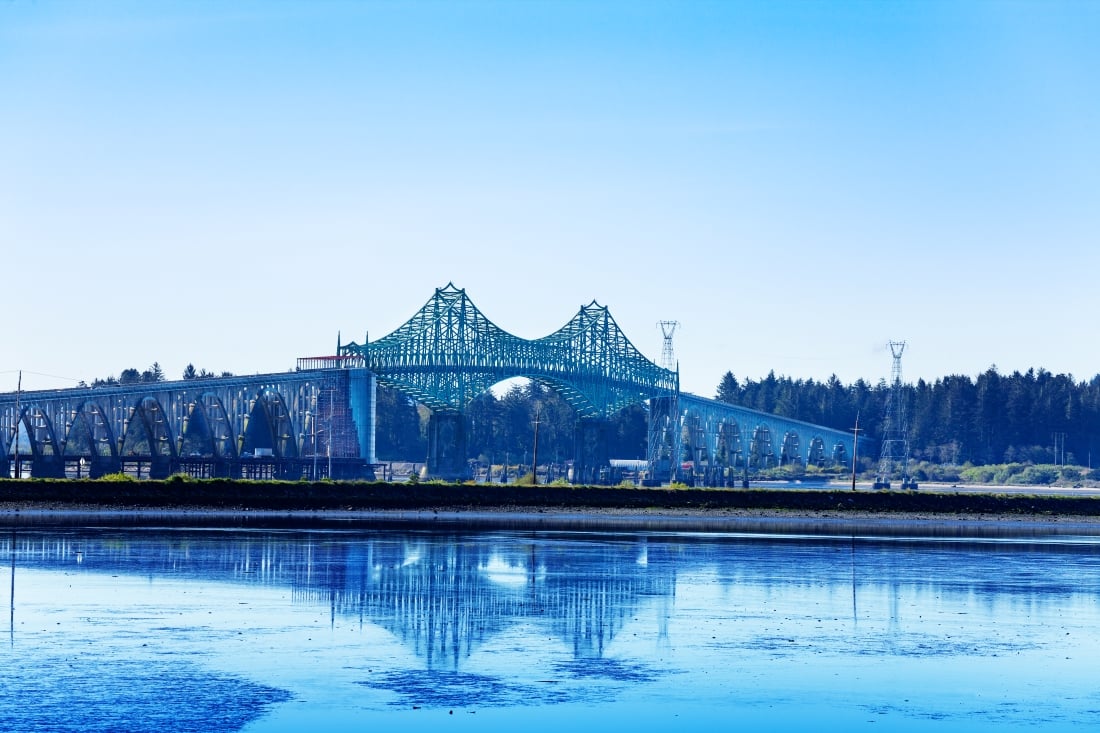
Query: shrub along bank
x=282, y=495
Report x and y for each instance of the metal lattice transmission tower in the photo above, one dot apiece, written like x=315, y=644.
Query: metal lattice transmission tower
x=894, y=458
x=664, y=436
x=668, y=356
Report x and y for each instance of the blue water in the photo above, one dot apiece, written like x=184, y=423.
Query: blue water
x=194, y=623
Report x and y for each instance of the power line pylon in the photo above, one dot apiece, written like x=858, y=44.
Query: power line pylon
x=664, y=433
x=668, y=356
x=894, y=458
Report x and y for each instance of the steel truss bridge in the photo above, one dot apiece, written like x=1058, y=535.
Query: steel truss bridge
x=449, y=352
x=321, y=418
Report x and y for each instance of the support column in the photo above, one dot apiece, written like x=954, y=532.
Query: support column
x=662, y=443
x=160, y=467
x=363, y=400
x=47, y=466
x=591, y=462
x=447, y=446
x=103, y=465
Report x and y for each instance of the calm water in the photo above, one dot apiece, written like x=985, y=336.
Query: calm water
x=178, y=624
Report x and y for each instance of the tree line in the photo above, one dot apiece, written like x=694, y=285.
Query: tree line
x=1029, y=417
x=153, y=374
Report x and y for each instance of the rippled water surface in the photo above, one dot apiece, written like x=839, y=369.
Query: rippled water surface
x=188, y=625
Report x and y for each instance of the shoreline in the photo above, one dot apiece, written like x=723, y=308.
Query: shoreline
x=466, y=518
x=241, y=502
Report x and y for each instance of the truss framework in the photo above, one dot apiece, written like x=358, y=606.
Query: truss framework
x=449, y=352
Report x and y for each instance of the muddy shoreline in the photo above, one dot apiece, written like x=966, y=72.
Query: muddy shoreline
x=285, y=503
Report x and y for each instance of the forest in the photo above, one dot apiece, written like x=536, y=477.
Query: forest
x=1030, y=417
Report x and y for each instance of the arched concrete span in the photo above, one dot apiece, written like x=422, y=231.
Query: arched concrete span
x=267, y=425
x=714, y=442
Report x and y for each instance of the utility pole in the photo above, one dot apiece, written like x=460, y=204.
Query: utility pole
x=535, y=450
x=18, y=392
x=313, y=425
x=328, y=438
x=855, y=449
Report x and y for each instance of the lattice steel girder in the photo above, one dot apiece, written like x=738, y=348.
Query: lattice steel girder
x=449, y=352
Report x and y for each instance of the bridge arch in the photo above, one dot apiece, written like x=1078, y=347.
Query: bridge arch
x=728, y=452
x=34, y=428
x=269, y=427
x=815, y=452
x=90, y=439
x=89, y=433
x=761, y=452
x=148, y=432
x=207, y=430
x=791, y=452
x=34, y=424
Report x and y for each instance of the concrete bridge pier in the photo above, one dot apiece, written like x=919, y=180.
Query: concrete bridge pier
x=447, y=446
x=591, y=459
x=160, y=467
x=99, y=466
x=47, y=466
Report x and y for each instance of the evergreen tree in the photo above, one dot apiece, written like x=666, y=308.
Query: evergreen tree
x=729, y=390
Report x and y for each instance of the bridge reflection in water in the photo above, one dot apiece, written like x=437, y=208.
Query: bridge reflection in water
x=641, y=624
x=441, y=595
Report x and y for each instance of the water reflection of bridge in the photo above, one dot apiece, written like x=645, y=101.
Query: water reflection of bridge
x=446, y=594
x=443, y=596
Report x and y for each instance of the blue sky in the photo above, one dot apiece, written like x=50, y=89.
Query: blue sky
x=796, y=183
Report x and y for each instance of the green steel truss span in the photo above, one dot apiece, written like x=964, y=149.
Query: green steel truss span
x=449, y=352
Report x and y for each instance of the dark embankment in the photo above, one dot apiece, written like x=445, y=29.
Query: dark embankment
x=365, y=496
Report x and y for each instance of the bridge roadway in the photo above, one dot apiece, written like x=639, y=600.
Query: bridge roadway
x=319, y=420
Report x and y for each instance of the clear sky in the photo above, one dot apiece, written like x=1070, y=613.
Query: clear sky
x=797, y=183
